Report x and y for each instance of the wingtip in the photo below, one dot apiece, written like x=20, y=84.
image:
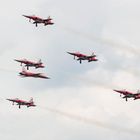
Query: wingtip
x=69, y=53
x=25, y=16
x=116, y=90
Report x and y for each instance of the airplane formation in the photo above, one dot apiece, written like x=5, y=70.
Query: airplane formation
x=77, y=55
x=28, y=64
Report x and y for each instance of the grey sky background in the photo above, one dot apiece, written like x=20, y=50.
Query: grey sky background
x=80, y=97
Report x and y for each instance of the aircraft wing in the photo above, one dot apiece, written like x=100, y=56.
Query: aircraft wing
x=13, y=100
x=37, y=74
x=10, y=100
x=47, y=77
x=27, y=16
x=71, y=53
x=137, y=94
x=128, y=93
x=91, y=56
x=82, y=58
x=124, y=92
x=46, y=20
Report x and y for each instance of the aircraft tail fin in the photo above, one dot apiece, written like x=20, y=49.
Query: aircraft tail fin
x=23, y=69
x=93, y=54
x=49, y=17
x=138, y=92
x=31, y=100
x=39, y=61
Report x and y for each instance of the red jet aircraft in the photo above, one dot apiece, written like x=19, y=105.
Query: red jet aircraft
x=21, y=102
x=24, y=73
x=28, y=63
x=38, y=20
x=84, y=57
x=128, y=94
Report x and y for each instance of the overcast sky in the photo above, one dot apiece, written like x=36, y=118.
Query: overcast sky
x=78, y=101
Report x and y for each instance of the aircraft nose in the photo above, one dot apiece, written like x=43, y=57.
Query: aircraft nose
x=16, y=60
x=24, y=15
x=116, y=90
x=70, y=53
x=20, y=73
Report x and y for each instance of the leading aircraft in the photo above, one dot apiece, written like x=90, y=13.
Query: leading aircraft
x=28, y=63
x=38, y=20
x=81, y=57
x=24, y=73
x=128, y=94
x=19, y=102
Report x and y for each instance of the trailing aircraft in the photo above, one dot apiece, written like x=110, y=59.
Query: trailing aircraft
x=128, y=94
x=28, y=63
x=38, y=20
x=81, y=57
x=19, y=102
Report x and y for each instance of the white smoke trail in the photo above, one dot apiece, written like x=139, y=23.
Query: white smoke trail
x=117, y=44
x=91, y=121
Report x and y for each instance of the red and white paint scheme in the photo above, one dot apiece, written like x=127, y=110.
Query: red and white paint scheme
x=19, y=102
x=28, y=63
x=84, y=57
x=38, y=20
x=24, y=73
x=128, y=94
